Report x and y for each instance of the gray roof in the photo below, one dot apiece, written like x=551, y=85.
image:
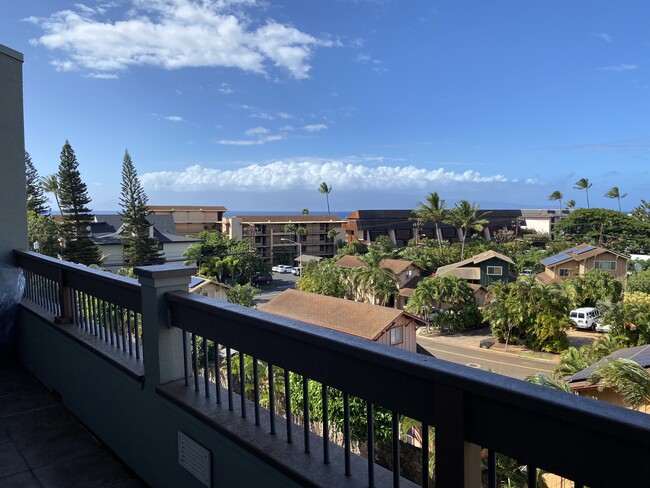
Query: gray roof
x=196, y=281
x=638, y=354
x=105, y=230
x=163, y=223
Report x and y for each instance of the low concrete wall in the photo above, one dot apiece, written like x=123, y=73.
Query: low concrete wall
x=137, y=424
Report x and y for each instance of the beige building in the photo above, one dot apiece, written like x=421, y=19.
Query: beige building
x=209, y=288
x=190, y=220
x=580, y=259
x=379, y=324
x=267, y=231
x=542, y=221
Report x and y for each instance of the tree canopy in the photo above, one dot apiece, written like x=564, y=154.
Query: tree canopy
x=216, y=246
x=73, y=197
x=614, y=230
x=36, y=200
x=139, y=247
x=529, y=311
x=448, y=301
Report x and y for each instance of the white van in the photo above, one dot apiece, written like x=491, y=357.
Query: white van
x=584, y=317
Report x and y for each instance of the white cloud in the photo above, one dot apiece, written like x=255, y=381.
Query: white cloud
x=262, y=115
x=174, y=118
x=284, y=115
x=365, y=58
x=103, y=76
x=251, y=142
x=619, y=67
x=309, y=173
x=225, y=89
x=314, y=127
x=174, y=34
x=605, y=37
x=256, y=131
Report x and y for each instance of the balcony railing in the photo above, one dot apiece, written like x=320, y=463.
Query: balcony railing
x=470, y=411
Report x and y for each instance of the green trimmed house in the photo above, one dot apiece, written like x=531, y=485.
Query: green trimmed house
x=482, y=269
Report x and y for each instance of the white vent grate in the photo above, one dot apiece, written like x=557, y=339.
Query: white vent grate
x=195, y=458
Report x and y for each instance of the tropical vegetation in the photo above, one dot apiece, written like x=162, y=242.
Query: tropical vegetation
x=139, y=248
x=73, y=198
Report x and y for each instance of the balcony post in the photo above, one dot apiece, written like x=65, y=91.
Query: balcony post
x=65, y=300
x=13, y=200
x=162, y=344
x=458, y=462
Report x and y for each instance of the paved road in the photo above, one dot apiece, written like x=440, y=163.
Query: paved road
x=281, y=281
x=497, y=362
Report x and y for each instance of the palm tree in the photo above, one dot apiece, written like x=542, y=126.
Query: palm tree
x=571, y=204
x=326, y=189
x=465, y=216
x=572, y=361
x=627, y=378
x=555, y=196
x=51, y=185
x=545, y=380
x=614, y=193
x=583, y=184
x=373, y=280
x=432, y=210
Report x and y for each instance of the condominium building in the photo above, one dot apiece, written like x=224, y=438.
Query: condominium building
x=190, y=220
x=271, y=235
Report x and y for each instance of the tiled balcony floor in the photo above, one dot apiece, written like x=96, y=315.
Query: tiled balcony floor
x=43, y=445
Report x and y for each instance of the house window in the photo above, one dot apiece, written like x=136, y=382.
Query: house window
x=323, y=226
x=396, y=335
x=565, y=272
x=409, y=273
x=322, y=237
x=495, y=270
x=606, y=265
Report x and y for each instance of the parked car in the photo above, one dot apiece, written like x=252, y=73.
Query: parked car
x=295, y=271
x=262, y=279
x=282, y=268
x=527, y=272
x=585, y=317
x=600, y=327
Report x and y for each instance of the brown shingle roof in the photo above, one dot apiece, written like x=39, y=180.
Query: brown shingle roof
x=349, y=261
x=355, y=318
x=397, y=266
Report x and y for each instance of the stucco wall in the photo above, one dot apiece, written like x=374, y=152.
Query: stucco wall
x=135, y=422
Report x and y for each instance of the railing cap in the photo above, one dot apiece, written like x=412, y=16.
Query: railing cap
x=165, y=271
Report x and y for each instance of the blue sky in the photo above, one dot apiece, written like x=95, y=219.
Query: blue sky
x=251, y=104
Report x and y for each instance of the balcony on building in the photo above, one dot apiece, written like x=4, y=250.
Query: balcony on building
x=189, y=391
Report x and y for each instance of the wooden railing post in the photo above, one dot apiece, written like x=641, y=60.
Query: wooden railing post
x=162, y=344
x=458, y=462
x=65, y=300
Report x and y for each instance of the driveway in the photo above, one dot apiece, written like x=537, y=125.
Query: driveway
x=281, y=282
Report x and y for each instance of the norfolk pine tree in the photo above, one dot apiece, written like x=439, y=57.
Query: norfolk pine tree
x=139, y=248
x=73, y=197
x=36, y=200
